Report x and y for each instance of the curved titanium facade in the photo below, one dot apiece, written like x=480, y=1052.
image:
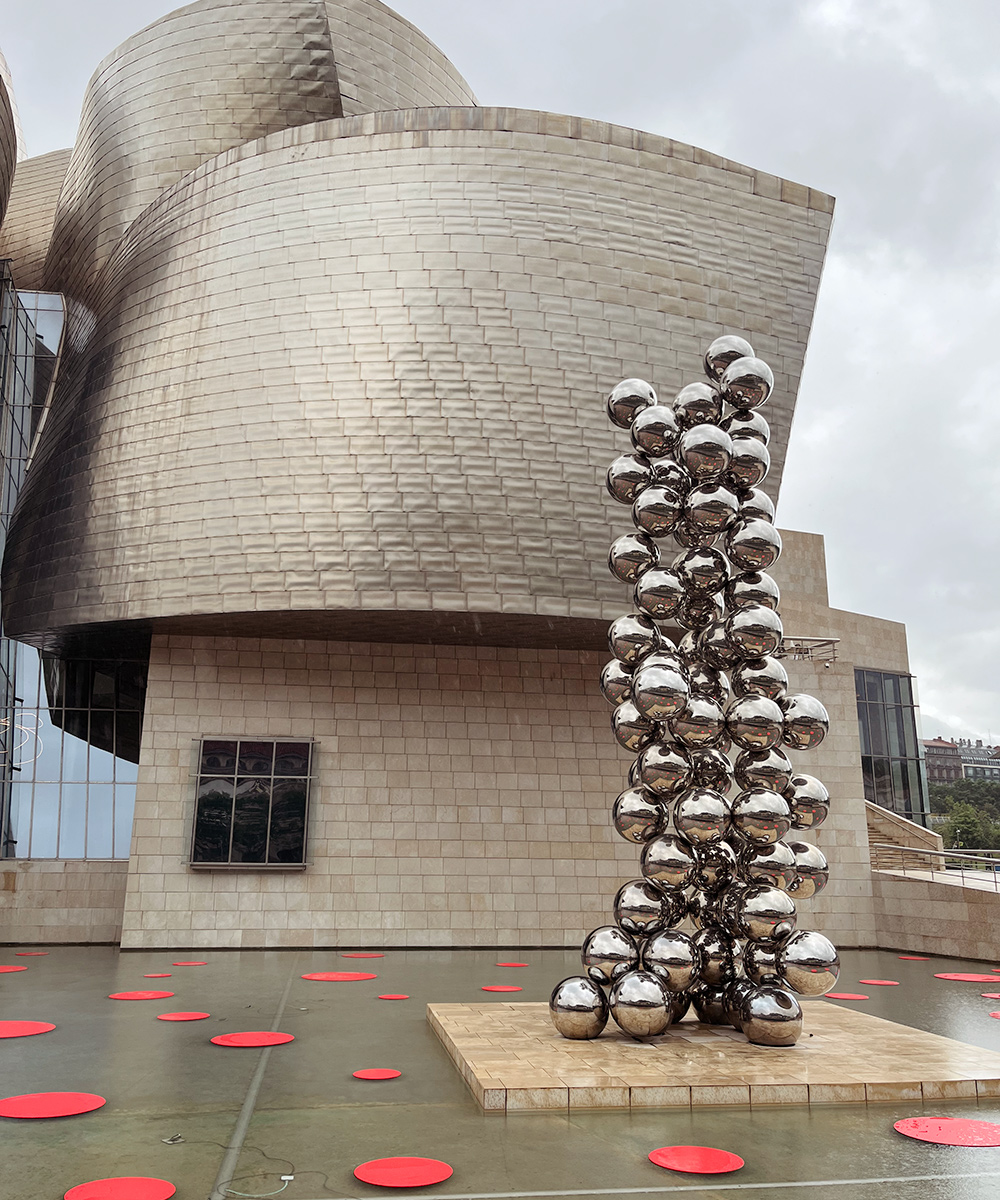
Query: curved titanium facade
x=347, y=378
x=27, y=229
x=212, y=76
x=8, y=147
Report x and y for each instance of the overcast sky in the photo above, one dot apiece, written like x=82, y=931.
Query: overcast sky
x=893, y=106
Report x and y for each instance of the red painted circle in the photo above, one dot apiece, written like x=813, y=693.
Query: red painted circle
x=339, y=976
x=403, y=1172
x=501, y=987
x=962, y=977
x=23, y=1028
x=846, y=996
x=50, y=1104
x=139, y=995
x=990, y=995
x=158, y=975
x=6, y=970
x=30, y=953
x=190, y=964
x=183, y=1016
x=950, y=1131
x=123, y=1187
x=696, y=1160
x=512, y=964
x=261, y=1037
x=364, y=954
x=995, y=970
x=913, y=958
x=394, y=996
x=996, y=1014
x=881, y=982
x=377, y=1073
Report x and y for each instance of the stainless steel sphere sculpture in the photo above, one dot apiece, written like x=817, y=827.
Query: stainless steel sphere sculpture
x=711, y=795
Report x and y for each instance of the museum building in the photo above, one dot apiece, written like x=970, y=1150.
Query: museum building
x=304, y=590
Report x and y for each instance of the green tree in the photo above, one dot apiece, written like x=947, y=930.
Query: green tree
x=966, y=829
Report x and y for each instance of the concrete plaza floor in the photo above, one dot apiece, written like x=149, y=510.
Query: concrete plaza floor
x=249, y=1116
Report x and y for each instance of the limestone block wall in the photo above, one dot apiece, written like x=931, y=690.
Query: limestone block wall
x=936, y=918
x=61, y=900
x=27, y=228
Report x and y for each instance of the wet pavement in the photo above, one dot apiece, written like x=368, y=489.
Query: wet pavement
x=248, y=1116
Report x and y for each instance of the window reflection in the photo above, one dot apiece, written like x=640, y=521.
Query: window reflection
x=891, y=763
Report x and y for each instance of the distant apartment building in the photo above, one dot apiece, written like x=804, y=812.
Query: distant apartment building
x=948, y=761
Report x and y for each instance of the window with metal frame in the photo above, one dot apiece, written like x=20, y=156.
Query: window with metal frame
x=251, y=803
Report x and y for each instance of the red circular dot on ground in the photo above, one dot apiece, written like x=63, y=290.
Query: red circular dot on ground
x=123, y=1187
x=995, y=970
x=394, y=996
x=377, y=1073
x=403, y=1172
x=5, y=970
x=881, y=982
x=990, y=995
x=913, y=958
x=183, y=1016
x=696, y=1160
x=50, y=1104
x=501, y=987
x=996, y=1014
x=139, y=995
x=30, y=953
x=364, y=954
x=158, y=975
x=190, y=964
x=950, y=1131
x=10, y=1029
x=846, y=996
x=256, y=1037
x=339, y=976
x=962, y=977
x=512, y=964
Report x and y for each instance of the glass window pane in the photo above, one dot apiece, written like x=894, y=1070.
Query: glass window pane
x=256, y=758
x=905, y=689
x=218, y=758
x=883, y=782
x=253, y=802
x=102, y=688
x=891, y=685
x=100, y=766
x=876, y=726
x=73, y=821
x=291, y=758
x=859, y=684
x=128, y=732
x=74, y=749
x=873, y=686
x=44, y=821
x=288, y=822
x=894, y=728
x=100, y=828
x=864, y=728
x=868, y=778
x=214, y=820
x=124, y=810
x=20, y=820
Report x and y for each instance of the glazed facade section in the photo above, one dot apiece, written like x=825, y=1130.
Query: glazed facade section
x=342, y=379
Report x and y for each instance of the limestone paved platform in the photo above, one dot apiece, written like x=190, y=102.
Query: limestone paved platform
x=512, y=1059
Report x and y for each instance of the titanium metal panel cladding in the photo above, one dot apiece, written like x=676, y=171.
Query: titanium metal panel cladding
x=8, y=147
x=711, y=922
x=31, y=212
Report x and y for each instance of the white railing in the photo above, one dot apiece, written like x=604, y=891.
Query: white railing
x=974, y=868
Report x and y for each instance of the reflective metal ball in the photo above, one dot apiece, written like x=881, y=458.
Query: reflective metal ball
x=735, y=994
x=750, y=462
x=806, y=722
x=640, y=1004
x=697, y=610
x=669, y=862
x=638, y=816
x=697, y=404
x=670, y=474
x=760, y=677
x=710, y=769
x=627, y=476
x=632, y=637
x=716, y=866
x=708, y=680
x=753, y=587
x=812, y=872
x=763, y=769
x=632, y=730
x=770, y=1016
x=701, y=815
x=753, y=545
x=710, y=508
x=754, y=630
x=702, y=570
x=659, y=690
x=578, y=1008
x=808, y=963
x=773, y=865
x=701, y=723
x=630, y=555
x=656, y=511
x=608, y=954
x=654, y=431
x=756, y=505
x=690, y=538
x=706, y=451
x=744, y=423
x=765, y=914
x=673, y=958
x=628, y=399
x=723, y=351
x=659, y=592
x=616, y=682
x=759, y=963
x=709, y=1004
x=747, y=382
x=716, y=650
x=664, y=768
x=762, y=817
x=641, y=908
x=809, y=801
x=755, y=722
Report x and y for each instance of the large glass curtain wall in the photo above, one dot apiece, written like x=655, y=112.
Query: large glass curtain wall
x=891, y=752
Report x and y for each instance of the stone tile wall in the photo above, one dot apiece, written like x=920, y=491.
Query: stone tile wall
x=936, y=918
x=53, y=900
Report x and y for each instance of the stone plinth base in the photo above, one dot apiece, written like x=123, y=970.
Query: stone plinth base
x=512, y=1059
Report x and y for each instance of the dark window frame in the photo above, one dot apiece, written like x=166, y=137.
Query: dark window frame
x=258, y=775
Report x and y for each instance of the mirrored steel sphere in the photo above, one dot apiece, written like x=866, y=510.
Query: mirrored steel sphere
x=746, y=423
x=659, y=592
x=616, y=682
x=765, y=914
x=756, y=505
x=701, y=815
x=806, y=722
x=710, y=769
x=656, y=511
x=761, y=816
x=770, y=1016
x=687, y=648
x=716, y=649
x=669, y=862
x=671, y=475
x=673, y=958
x=578, y=1008
x=680, y=1002
x=632, y=637
x=630, y=555
x=773, y=865
x=608, y=954
x=697, y=404
x=763, y=769
x=812, y=872
x=638, y=816
x=755, y=722
x=750, y=462
x=706, y=451
x=760, y=677
x=640, y=1005
x=716, y=866
x=747, y=382
x=754, y=631
x=702, y=570
x=753, y=587
x=659, y=691
x=729, y=905
x=711, y=508
x=723, y=351
x=633, y=774
x=759, y=962
x=664, y=768
x=632, y=730
x=641, y=908
x=708, y=680
x=809, y=801
x=690, y=538
x=627, y=476
x=735, y=994
x=808, y=963
x=701, y=723
x=654, y=431
x=709, y=1004
x=697, y=610
x=628, y=399
x=753, y=545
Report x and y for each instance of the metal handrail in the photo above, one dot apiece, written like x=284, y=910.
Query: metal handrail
x=975, y=866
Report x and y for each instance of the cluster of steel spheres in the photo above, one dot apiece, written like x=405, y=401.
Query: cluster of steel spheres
x=711, y=793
